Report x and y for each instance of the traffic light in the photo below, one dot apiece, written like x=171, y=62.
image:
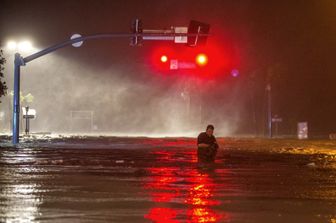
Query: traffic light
x=136, y=28
x=164, y=59
x=201, y=59
x=176, y=61
x=199, y=33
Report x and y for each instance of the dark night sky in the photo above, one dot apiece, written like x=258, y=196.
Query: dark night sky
x=295, y=39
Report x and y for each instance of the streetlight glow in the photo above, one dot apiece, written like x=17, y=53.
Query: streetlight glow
x=11, y=45
x=25, y=46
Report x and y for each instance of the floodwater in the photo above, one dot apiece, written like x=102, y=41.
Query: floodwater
x=159, y=180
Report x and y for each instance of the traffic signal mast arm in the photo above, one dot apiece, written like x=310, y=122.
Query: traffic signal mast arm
x=196, y=30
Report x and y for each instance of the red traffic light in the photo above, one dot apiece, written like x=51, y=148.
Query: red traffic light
x=164, y=58
x=201, y=59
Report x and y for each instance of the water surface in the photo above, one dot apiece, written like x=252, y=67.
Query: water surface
x=159, y=180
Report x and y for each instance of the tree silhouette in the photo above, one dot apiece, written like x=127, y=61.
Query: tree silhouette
x=3, y=85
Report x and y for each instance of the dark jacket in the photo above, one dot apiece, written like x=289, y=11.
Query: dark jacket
x=209, y=140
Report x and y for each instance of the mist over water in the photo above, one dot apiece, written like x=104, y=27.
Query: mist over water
x=80, y=97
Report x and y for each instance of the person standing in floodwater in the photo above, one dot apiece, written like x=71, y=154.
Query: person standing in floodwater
x=207, y=145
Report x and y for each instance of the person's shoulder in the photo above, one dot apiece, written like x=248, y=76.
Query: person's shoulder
x=201, y=134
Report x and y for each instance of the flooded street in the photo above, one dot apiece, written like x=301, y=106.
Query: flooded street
x=159, y=180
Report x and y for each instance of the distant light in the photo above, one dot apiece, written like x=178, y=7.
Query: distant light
x=235, y=73
x=201, y=59
x=24, y=46
x=164, y=59
x=11, y=45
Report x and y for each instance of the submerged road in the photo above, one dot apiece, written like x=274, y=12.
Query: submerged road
x=159, y=180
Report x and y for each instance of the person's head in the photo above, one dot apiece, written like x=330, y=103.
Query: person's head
x=209, y=130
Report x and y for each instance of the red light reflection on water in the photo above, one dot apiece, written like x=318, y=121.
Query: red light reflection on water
x=203, y=215
x=201, y=199
x=200, y=195
x=162, y=191
x=161, y=182
x=162, y=215
x=195, y=193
